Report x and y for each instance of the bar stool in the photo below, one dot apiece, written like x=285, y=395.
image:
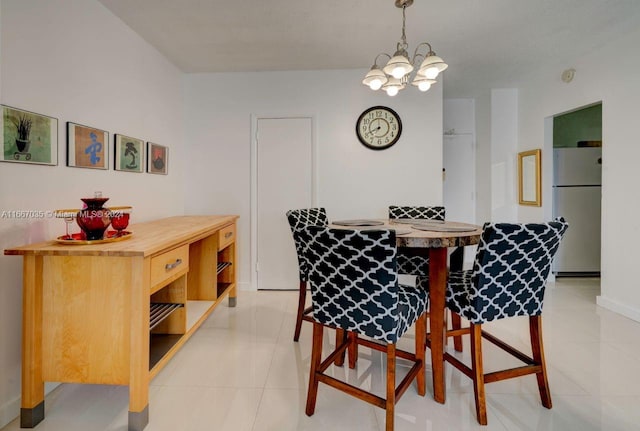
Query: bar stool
x=508, y=279
x=298, y=220
x=354, y=287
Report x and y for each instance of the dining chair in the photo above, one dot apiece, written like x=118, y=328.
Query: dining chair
x=415, y=261
x=508, y=279
x=354, y=287
x=298, y=220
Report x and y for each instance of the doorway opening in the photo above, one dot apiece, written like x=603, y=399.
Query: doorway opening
x=577, y=189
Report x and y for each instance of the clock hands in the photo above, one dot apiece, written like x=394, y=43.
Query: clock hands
x=380, y=124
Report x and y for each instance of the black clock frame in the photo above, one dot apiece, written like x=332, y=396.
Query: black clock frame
x=393, y=141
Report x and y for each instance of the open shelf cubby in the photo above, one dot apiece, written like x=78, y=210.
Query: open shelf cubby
x=222, y=265
x=159, y=312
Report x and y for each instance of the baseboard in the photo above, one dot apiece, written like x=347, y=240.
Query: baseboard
x=9, y=411
x=246, y=286
x=618, y=307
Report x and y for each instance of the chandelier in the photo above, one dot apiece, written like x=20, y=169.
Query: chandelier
x=394, y=76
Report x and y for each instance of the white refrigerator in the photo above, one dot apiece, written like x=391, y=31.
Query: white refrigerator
x=577, y=195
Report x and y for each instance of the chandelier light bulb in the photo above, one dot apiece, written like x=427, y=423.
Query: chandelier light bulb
x=424, y=86
x=375, y=78
x=375, y=84
x=398, y=72
x=398, y=66
x=432, y=66
x=392, y=91
x=431, y=73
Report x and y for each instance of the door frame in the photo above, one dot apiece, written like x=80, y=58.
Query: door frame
x=253, y=211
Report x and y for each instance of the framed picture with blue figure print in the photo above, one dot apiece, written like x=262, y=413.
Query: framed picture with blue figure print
x=129, y=154
x=87, y=147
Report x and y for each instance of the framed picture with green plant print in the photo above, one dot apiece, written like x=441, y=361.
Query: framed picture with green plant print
x=157, y=159
x=129, y=154
x=28, y=137
x=87, y=147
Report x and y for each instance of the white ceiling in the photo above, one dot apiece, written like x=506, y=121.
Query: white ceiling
x=487, y=43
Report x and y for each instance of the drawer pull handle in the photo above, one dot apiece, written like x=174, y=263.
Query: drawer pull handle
x=228, y=235
x=170, y=266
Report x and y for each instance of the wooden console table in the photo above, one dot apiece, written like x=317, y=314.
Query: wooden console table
x=115, y=313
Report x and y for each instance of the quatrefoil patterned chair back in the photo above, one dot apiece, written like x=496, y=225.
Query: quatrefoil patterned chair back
x=416, y=212
x=354, y=283
x=415, y=261
x=298, y=220
x=509, y=273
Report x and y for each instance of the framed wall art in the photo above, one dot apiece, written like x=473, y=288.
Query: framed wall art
x=87, y=147
x=129, y=154
x=157, y=159
x=529, y=178
x=28, y=137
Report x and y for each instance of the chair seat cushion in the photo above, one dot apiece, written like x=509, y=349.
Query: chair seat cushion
x=412, y=302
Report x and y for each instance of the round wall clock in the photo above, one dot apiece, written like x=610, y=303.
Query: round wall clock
x=379, y=127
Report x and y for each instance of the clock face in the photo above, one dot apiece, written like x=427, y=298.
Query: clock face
x=379, y=127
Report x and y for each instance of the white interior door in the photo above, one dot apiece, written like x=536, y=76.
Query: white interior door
x=284, y=176
x=459, y=181
x=459, y=193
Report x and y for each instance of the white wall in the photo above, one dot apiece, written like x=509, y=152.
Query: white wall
x=459, y=117
x=504, y=141
x=615, y=82
x=483, y=157
x=354, y=182
x=73, y=60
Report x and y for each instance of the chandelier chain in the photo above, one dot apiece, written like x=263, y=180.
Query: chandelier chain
x=404, y=44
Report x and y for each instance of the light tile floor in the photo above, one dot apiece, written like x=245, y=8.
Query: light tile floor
x=242, y=371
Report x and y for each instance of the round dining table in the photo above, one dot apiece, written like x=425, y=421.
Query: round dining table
x=436, y=237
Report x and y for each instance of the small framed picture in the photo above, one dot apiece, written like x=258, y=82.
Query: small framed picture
x=87, y=147
x=157, y=159
x=129, y=155
x=28, y=137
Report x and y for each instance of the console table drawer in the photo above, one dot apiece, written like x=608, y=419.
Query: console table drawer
x=226, y=236
x=169, y=265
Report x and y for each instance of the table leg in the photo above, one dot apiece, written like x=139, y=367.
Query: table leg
x=437, y=293
x=32, y=404
x=233, y=294
x=139, y=347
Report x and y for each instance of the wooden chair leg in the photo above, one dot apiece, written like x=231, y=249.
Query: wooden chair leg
x=302, y=297
x=391, y=386
x=535, y=330
x=352, y=350
x=341, y=336
x=316, y=356
x=456, y=323
x=478, y=373
x=421, y=339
